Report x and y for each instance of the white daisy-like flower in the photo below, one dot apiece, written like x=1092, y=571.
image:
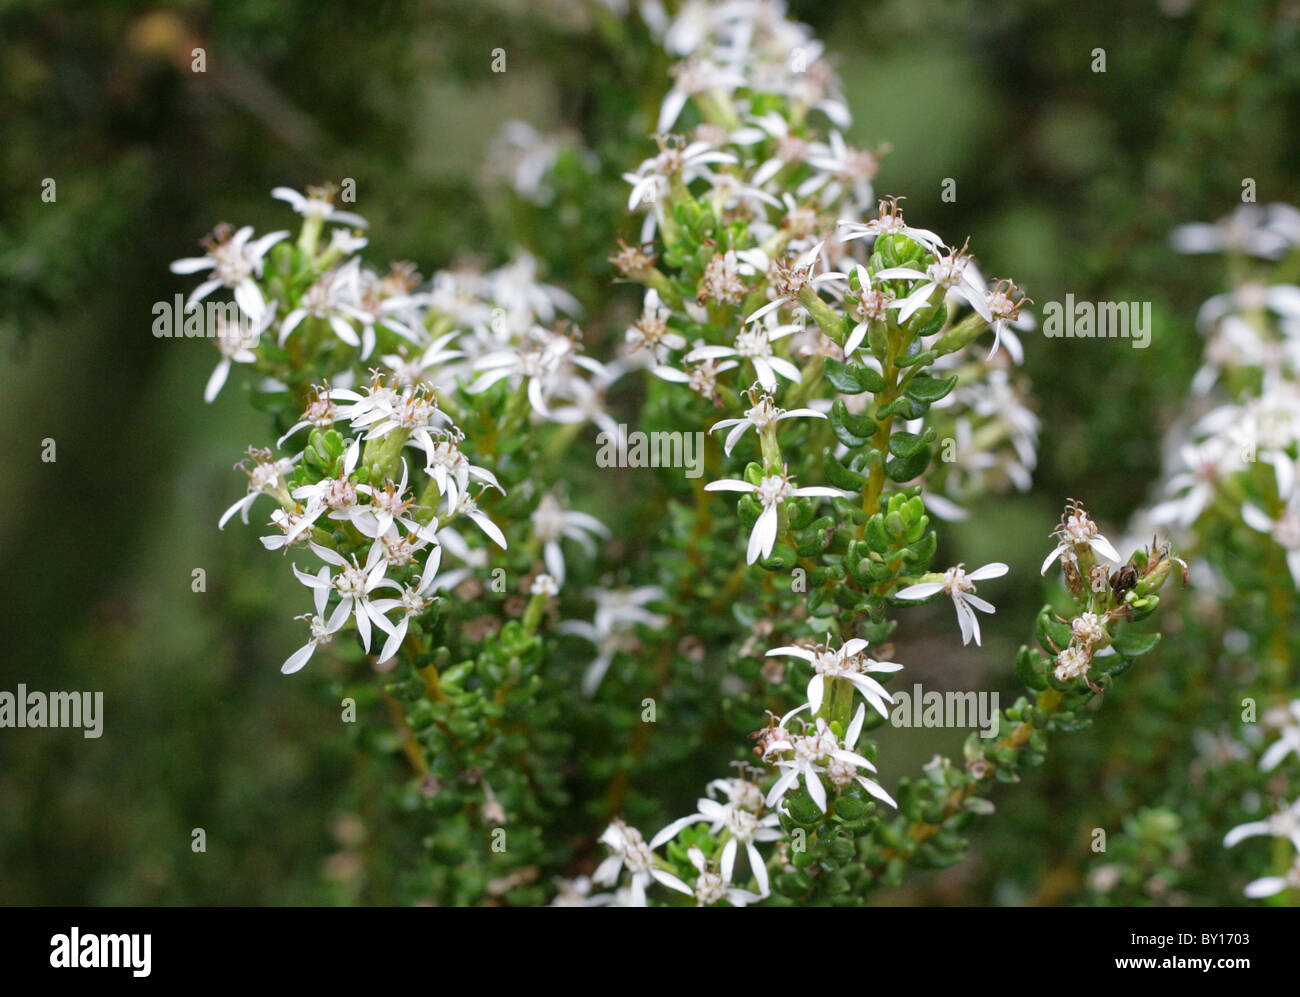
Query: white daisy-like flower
x=618, y=613
x=355, y=584
x=1285, y=823
x=267, y=476
x=739, y=818
x=848, y=663
x=689, y=78
x=651, y=332
x=1271, y=885
x=702, y=378
x=1249, y=229
x=1284, y=529
x=712, y=885
x=868, y=304
x=1078, y=530
x=787, y=280
x=760, y=415
x=753, y=343
x=236, y=341
x=451, y=470
x=553, y=523
x=236, y=262
x=817, y=752
x=576, y=892
x=631, y=852
x=318, y=203
x=772, y=492
x=546, y=362
x=468, y=507
x=653, y=177
x=413, y=601
x=960, y=585
x=950, y=271
x=888, y=221
x=1206, y=463
x=1288, y=742
x=838, y=167
x=327, y=300
x=322, y=630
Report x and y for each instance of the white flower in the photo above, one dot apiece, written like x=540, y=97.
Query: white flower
x=576, y=892
x=1078, y=530
x=451, y=470
x=1288, y=742
x=949, y=271
x=1271, y=885
x=739, y=818
x=354, y=583
x=409, y=372
x=469, y=507
x=772, y=492
x=544, y=584
x=689, y=78
x=1285, y=823
x=1206, y=463
x=839, y=167
x=1285, y=529
x=960, y=585
x=630, y=850
x=321, y=413
x=760, y=415
x=618, y=611
x=701, y=378
x=869, y=304
x=413, y=601
x=322, y=630
x=754, y=344
x=318, y=203
x=235, y=263
x=546, y=363
x=553, y=523
x=1250, y=229
x=327, y=300
x=889, y=221
x=847, y=663
x=236, y=342
x=712, y=886
x=267, y=476
x=811, y=754
x=651, y=181
x=650, y=332
x=340, y=496
x=787, y=280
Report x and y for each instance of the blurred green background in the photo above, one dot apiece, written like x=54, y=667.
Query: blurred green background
x=1067, y=179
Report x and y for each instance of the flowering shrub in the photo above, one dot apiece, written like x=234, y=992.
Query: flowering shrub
x=1229, y=499
x=847, y=381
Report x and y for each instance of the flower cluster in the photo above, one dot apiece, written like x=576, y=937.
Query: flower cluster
x=422, y=429
x=781, y=293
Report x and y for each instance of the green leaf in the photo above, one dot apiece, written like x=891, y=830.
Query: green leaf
x=844, y=377
x=907, y=444
x=925, y=388
x=840, y=476
x=902, y=469
x=843, y=430
x=922, y=552
x=1028, y=669
x=1134, y=645
x=1051, y=631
